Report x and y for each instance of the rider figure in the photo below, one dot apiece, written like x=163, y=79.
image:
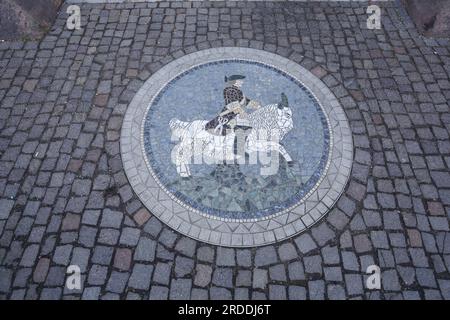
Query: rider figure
x=233, y=115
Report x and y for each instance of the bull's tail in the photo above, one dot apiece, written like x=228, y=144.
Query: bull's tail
x=177, y=127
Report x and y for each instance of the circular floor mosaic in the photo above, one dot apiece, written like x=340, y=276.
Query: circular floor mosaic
x=236, y=147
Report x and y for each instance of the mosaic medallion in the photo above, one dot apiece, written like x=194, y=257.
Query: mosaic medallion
x=236, y=147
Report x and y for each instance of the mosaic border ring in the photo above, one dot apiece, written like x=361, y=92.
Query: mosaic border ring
x=230, y=232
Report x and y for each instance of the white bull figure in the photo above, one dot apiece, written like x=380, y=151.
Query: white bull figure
x=269, y=124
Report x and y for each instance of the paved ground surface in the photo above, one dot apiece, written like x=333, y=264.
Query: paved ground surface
x=65, y=199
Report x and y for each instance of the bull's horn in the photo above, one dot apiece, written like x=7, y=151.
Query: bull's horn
x=284, y=102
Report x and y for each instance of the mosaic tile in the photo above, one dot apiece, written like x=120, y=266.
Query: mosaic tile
x=236, y=191
x=204, y=97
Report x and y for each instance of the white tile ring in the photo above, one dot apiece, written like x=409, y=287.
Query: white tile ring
x=220, y=231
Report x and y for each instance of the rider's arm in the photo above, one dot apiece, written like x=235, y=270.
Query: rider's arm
x=233, y=107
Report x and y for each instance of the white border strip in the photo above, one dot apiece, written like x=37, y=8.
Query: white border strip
x=149, y=1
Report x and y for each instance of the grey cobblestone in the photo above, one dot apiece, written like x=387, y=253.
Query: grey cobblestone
x=140, y=277
x=277, y=292
x=225, y=257
x=162, y=273
x=205, y=254
x=260, y=278
x=158, y=293
x=117, y=282
x=199, y=294
x=223, y=277
x=244, y=278
x=305, y=243
x=316, y=289
x=145, y=250
x=265, y=256
x=287, y=252
x=202, y=275
x=97, y=275
x=278, y=273
x=183, y=266
x=186, y=246
x=336, y=292
x=244, y=258
x=180, y=289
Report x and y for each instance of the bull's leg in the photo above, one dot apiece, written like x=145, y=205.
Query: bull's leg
x=285, y=154
x=181, y=160
x=268, y=156
x=183, y=170
x=274, y=149
x=272, y=146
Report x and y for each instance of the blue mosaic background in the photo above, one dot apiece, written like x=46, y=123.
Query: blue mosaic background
x=237, y=191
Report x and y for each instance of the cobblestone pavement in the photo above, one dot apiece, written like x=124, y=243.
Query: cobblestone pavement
x=65, y=198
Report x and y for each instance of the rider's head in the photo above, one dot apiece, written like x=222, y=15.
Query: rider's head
x=238, y=83
x=235, y=80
